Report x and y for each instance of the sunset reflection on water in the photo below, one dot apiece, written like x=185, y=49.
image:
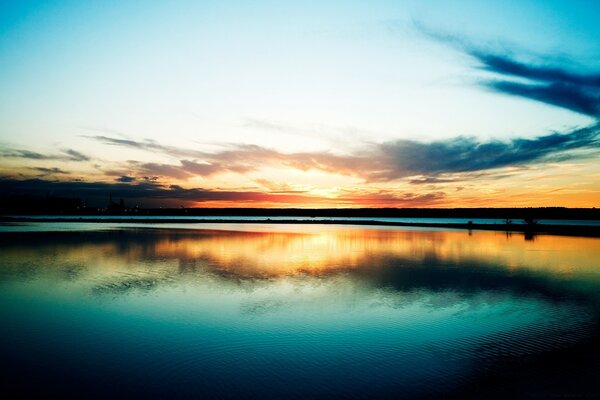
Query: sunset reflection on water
x=424, y=311
x=290, y=250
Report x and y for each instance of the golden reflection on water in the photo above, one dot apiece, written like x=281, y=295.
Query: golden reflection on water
x=323, y=250
x=284, y=253
x=288, y=250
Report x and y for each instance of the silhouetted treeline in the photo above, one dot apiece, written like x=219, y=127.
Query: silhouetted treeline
x=23, y=204
x=50, y=205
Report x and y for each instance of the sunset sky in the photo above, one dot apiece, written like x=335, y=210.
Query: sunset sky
x=302, y=104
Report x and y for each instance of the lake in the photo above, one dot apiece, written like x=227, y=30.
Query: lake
x=253, y=310
x=350, y=220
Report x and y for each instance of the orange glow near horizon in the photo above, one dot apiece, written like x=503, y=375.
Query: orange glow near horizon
x=576, y=186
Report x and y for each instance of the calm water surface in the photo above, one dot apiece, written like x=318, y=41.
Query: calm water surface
x=292, y=311
x=498, y=221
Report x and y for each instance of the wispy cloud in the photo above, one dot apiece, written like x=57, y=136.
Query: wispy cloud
x=385, y=198
x=423, y=162
x=551, y=85
x=65, y=155
x=432, y=179
x=277, y=187
x=462, y=154
x=567, y=96
x=145, y=192
x=74, y=155
x=49, y=171
x=432, y=162
x=165, y=170
x=146, y=145
x=152, y=194
x=539, y=78
x=31, y=155
x=235, y=158
x=268, y=125
x=505, y=65
x=389, y=160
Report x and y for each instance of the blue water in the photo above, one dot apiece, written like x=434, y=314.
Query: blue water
x=297, y=311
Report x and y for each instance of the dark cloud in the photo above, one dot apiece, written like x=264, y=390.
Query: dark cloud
x=562, y=95
x=125, y=179
x=408, y=158
x=149, y=194
x=49, y=171
x=184, y=170
x=506, y=66
x=164, y=170
x=66, y=155
x=404, y=158
x=145, y=193
x=541, y=78
x=75, y=155
x=432, y=179
x=31, y=155
x=558, y=87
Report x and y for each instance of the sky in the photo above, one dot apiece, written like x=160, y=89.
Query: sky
x=302, y=104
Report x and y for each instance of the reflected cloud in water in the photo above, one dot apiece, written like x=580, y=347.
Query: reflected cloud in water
x=145, y=259
x=316, y=299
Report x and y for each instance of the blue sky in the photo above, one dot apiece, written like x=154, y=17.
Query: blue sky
x=295, y=78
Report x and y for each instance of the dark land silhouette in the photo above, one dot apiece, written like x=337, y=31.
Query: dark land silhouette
x=54, y=205
x=30, y=208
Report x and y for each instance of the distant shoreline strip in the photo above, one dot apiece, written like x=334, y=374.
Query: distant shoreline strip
x=567, y=230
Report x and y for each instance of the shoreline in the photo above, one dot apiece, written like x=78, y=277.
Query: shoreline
x=534, y=229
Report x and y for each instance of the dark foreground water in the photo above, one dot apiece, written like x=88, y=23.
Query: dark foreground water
x=292, y=311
